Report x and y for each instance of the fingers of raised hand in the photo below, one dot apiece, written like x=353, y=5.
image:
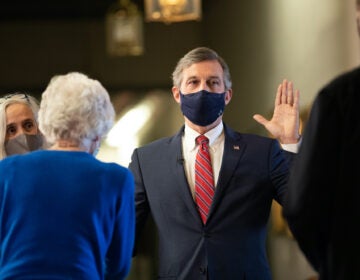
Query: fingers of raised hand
x=284, y=88
x=290, y=94
x=278, y=95
x=287, y=93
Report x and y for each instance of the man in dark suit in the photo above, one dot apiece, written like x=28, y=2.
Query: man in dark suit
x=249, y=171
x=322, y=207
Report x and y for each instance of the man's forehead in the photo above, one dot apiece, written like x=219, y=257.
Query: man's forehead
x=209, y=67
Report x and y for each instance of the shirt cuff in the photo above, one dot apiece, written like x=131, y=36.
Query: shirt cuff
x=293, y=148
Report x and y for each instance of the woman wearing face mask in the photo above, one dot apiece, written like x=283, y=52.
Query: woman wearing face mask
x=76, y=219
x=19, y=132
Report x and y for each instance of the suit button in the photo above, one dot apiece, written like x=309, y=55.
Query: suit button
x=202, y=270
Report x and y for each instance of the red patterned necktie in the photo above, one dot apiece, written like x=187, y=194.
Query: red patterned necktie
x=204, y=179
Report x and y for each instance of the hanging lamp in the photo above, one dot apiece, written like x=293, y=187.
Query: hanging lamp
x=172, y=10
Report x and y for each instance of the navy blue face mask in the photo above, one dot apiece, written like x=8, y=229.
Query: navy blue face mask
x=202, y=107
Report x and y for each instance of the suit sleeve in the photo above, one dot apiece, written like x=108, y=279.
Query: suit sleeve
x=280, y=162
x=141, y=203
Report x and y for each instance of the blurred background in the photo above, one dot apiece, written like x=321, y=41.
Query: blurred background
x=132, y=51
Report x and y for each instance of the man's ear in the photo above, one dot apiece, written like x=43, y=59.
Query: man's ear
x=176, y=94
x=228, y=96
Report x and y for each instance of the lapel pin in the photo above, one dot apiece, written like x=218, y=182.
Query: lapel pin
x=236, y=147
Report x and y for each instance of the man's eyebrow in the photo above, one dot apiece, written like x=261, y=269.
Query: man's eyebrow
x=192, y=77
x=215, y=77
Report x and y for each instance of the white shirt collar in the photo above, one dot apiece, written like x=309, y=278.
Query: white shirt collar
x=190, y=135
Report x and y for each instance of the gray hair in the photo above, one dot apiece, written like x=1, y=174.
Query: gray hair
x=5, y=101
x=198, y=55
x=75, y=107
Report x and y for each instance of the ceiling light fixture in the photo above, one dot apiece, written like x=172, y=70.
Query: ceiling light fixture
x=124, y=29
x=172, y=10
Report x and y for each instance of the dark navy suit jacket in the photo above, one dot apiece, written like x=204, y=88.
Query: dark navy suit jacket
x=232, y=245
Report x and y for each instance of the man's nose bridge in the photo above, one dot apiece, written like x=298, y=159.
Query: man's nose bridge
x=204, y=85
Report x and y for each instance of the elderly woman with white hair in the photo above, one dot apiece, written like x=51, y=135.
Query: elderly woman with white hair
x=19, y=132
x=63, y=213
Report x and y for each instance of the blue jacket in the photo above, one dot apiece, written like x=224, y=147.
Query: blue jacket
x=65, y=215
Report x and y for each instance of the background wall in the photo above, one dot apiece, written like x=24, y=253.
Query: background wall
x=266, y=41
x=262, y=41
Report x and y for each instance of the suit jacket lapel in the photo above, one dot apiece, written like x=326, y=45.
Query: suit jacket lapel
x=178, y=172
x=233, y=150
